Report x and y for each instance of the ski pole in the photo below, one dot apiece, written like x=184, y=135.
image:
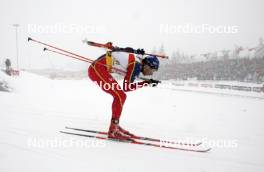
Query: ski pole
x=74, y=55
x=51, y=46
x=81, y=59
x=69, y=54
x=90, y=61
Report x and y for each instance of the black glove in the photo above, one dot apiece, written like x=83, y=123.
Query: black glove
x=153, y=82
x=140, y=51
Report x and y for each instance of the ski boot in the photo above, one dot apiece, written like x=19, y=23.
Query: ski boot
x=117, y=133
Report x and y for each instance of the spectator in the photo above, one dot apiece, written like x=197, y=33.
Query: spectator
x=243, y=69
x=8, y=66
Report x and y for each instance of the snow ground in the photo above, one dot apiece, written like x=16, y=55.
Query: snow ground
x=39, y=108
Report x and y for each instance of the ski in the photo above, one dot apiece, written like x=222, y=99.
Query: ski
x=139, y=137
x=109, y=46
x=189, y=149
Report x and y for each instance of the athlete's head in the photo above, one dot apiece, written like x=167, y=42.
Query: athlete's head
x=150, y=64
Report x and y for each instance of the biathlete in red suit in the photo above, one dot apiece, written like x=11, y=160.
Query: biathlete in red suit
x=130, y=65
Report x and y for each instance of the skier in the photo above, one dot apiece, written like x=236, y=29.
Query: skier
x=133, y=64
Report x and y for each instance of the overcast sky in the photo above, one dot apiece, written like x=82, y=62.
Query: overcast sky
x=137, y=23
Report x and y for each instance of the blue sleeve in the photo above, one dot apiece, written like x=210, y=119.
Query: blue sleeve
x=136, y=71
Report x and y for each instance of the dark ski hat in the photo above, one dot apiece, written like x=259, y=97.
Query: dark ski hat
x=152, y=61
